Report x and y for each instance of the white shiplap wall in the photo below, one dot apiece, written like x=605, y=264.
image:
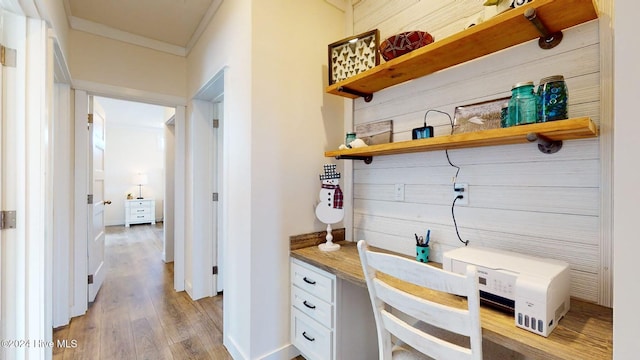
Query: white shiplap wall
x=519, y=198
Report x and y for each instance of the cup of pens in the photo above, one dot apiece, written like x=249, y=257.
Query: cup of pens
x=422, y=247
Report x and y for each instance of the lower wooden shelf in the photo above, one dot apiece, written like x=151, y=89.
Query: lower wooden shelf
x=570, y=129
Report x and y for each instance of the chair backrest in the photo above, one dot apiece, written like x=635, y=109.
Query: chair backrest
x=385, y=294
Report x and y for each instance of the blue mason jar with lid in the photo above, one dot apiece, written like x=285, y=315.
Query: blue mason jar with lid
x=554, y=97
x=523, y=105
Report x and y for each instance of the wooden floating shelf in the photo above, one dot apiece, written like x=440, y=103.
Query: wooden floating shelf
x=570, y=129
x=500, y=32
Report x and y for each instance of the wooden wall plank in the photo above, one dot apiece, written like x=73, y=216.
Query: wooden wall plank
x=520, y=199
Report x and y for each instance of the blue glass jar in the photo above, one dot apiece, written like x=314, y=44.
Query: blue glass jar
x=554, y=97
x=523, y=105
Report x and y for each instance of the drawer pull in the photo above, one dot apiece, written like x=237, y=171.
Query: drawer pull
x=304, y=333
x=310, y=306
x=312, y=282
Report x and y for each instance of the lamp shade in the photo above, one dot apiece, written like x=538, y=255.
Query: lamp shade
x=140, y=179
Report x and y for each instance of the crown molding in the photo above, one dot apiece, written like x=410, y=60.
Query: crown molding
x=202, y=26
x=116, y=34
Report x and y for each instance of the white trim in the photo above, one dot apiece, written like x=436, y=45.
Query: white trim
x=61, y=70
x=202, y=26
x=63, y=198
x=179, y=198
x=12, y=6
x=341, y=5
x=233, y=348
x=14, y=169
x=81, y=160
x=37, y=323
x=285, y=352
x=606, y=152
x=198, y=260
x=168, y=241
x=124, y=93
x=119, y=35
x=30, y=9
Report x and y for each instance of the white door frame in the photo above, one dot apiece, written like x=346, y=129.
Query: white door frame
x=205, y=216
x=81, y=141
x=26, y=256
x=81, y=208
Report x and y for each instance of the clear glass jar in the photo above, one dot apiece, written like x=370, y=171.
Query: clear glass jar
x=554, y=97
x=349, y=138
x=504, y=116
x=523, y=105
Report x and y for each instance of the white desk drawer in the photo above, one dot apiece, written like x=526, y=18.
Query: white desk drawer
x=140, y=204
x=140, y=217
x=139, y=211
x=317, y=309
x=311, y=338
x=315, y=282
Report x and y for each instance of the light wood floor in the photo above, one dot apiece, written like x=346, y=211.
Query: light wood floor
x=137, y=314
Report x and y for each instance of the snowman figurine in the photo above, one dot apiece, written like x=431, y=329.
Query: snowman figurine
x=330, y=210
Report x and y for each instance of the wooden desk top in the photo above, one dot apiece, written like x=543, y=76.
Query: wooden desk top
x=586, y=332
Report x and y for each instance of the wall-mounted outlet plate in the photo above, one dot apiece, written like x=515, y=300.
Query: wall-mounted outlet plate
x=399, y=192
x=461, y=189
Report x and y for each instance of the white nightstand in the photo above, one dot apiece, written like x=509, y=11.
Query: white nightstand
x=139, y=211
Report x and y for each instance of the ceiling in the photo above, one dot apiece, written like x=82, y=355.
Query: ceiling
x=171, y=26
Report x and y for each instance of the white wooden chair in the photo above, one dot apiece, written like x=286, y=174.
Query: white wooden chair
x=386, y=296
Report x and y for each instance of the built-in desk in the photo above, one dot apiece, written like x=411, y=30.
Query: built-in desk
x=586, y=332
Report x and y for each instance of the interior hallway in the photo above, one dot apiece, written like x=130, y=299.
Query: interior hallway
x=137, y=314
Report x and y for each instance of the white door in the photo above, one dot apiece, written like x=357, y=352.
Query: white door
x=96, y=230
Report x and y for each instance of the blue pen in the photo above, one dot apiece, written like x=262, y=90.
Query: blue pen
x=428, y=236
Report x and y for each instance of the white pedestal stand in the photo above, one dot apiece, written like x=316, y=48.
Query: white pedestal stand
x=329, y=245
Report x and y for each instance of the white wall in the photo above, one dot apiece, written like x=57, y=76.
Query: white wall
x=627, y=87
x=519, y=199
x=134, y=143
x=278, y=122
x=294, y=122
x=227, y=41
x=94, y=59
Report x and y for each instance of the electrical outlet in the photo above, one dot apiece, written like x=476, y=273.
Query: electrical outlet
x=399, y=192
x=461, y=189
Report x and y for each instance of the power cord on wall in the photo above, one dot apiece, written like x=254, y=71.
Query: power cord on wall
x=455, y=178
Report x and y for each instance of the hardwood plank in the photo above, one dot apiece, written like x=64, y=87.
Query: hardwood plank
x=116, y=338
x=190, y=348
x=137, y=314
x=150, y=343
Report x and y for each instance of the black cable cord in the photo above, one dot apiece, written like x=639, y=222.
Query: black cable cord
x=446, y=151
x=455, y=224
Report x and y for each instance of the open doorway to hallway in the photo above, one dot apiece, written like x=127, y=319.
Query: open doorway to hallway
x=134, y=161
x=137, y=314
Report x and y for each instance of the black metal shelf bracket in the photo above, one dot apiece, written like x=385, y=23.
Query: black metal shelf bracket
x=367, y=159
x=367, y=97
x=545, y=145
x=548, y=40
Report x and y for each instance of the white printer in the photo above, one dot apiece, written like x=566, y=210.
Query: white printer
x=535, y=289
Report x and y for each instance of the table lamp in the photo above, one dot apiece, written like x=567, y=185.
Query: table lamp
x=140, y=179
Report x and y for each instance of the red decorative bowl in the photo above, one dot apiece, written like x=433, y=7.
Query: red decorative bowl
x=403, y=43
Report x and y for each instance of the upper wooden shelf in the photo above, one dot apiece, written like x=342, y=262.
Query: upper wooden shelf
x=500, y=32
x=570, y=129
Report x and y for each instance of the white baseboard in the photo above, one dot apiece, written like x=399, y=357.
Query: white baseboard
x=286, y=352
x=233, y=348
